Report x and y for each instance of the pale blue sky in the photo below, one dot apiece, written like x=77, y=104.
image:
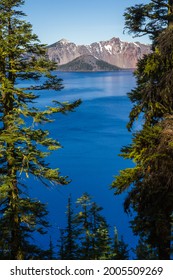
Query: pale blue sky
x=79, y=21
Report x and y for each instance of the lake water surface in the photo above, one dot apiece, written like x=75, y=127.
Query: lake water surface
x=91, y=138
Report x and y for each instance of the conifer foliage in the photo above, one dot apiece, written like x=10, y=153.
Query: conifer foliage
x=87, y=234
x=149, y=19
x=150, y=181
x=23, y=58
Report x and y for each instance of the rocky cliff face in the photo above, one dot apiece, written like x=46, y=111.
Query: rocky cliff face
x=114, y=51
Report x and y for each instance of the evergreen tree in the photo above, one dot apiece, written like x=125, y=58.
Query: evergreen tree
x=153, y=94
x=150, y=181
x=61, y=246
x=87, y=234
x=69, y=235
x=93, y=230
x=50, y=251
x=23, y=58
x=149, y=19
x=101, y=241
x=144, y=251
x=83, y=222
x=71, y=245
x=120, y=248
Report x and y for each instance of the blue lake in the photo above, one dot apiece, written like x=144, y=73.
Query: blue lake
x=91, y=138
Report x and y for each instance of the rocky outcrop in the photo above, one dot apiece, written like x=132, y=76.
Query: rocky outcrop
x=114, y=51
x=87, y=63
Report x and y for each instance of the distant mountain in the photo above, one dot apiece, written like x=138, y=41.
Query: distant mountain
x=113, y=51
x=87, y=63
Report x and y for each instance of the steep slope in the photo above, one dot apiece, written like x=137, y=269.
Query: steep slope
x=114, y=51
x=87, y=63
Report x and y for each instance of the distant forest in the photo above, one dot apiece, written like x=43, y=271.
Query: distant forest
x=24, y=148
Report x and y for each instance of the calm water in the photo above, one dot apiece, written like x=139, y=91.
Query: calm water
x=92, y=138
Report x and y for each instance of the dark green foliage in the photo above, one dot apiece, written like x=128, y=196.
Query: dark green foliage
x=68, y=244
x=50, y=251
x=61, y=245
x=144, y=251
x=23, y=58
x=153, y=94
x=93, y=230
x=151, y=18
x=120, y=249
x=30, y=218
x=87, y=236
x=150, y=182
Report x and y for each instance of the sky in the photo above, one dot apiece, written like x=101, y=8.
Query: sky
x=79, y=21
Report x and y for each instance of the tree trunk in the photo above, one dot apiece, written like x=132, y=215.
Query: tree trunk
x=16, y=238
x=16, y=252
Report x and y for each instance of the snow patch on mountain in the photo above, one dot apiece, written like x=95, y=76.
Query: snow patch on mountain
x=109, y=48
x=113, y=51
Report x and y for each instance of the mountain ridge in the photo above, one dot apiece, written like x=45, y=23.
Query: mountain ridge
x=113, y=51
